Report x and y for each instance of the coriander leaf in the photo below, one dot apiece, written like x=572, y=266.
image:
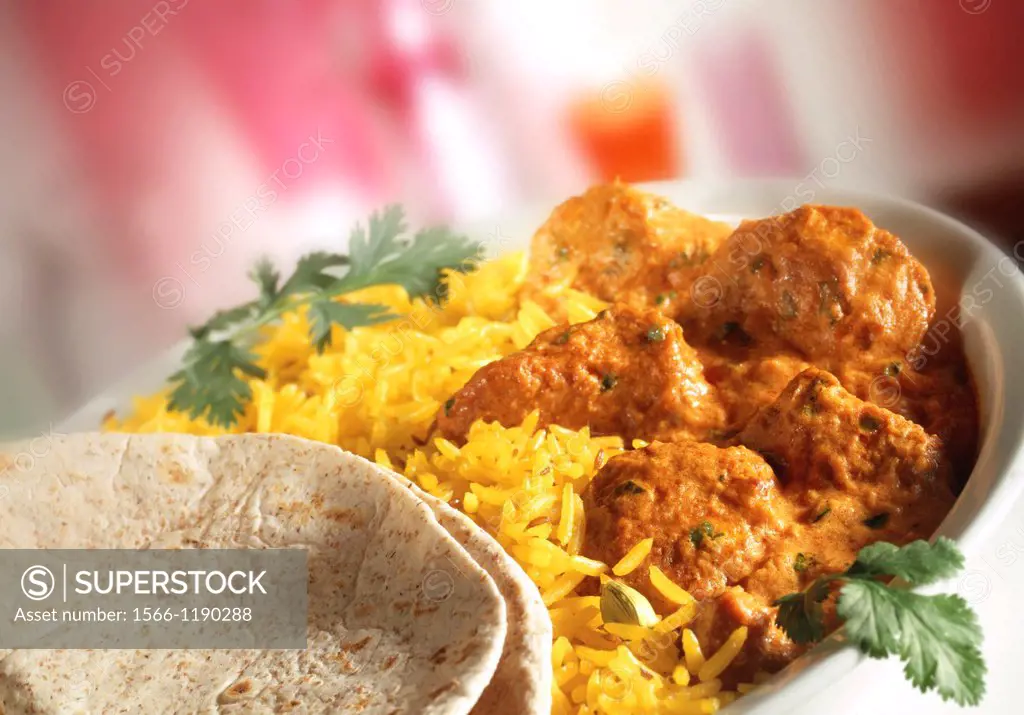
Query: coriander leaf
x=420, y=267
x=311, y=273
x=872, y=621
x=224, y=319
x=697, y=534
x=946, y=654
x=324, y=312
x=368, y=250
x=937, y=637
x=918, y=563
x=208, y=384
x=800, y=614
x=267, y=278
x=655, y=334
x=877, y=521
x=379, y=256
x=801, y=623
x=629, y=487
x=869, y=423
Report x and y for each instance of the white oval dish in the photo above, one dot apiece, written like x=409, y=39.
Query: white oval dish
x=972, y=278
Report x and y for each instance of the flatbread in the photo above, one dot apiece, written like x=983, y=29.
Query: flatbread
x=522, y=683
x=372, y=546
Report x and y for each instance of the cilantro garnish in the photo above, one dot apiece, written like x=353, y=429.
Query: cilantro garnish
x=210, y=383
x=802, y=562
x=936, y=636
x=698, y=533
x=655, y=334
x=870, y=423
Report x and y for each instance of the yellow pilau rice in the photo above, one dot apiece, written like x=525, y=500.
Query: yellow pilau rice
x=375, y=392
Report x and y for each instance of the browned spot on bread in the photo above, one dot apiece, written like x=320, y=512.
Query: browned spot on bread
x=240, y=688
x=345, y=663
x=424, y=610
x=177, y=475
x=438, y=692
x=357, y=646
x=466, y=652
x=346, y=516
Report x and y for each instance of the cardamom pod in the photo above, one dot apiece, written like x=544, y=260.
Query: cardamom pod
x=622, y=604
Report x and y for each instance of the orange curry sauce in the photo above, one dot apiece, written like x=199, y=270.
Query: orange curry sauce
x=776, y=371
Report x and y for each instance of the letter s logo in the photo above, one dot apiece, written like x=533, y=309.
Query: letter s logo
x=37, y=583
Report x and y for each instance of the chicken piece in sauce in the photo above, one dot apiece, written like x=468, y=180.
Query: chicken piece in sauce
x=624, y=245
x=716, y=516
x=767, y=647
x=628, y=372
x=874, y=474
x=934, y=391
x=744, y=386
x=939, y=396
x=823, y=281
x=713, y=514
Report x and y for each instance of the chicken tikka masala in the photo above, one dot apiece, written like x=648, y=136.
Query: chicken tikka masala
x=772, y=371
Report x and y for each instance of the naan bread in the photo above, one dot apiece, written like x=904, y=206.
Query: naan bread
x=522, y=682
x=373, y=545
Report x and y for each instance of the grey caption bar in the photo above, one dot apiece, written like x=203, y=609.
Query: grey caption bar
x=178, y=598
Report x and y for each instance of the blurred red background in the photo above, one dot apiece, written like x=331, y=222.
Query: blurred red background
x=153, y=149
